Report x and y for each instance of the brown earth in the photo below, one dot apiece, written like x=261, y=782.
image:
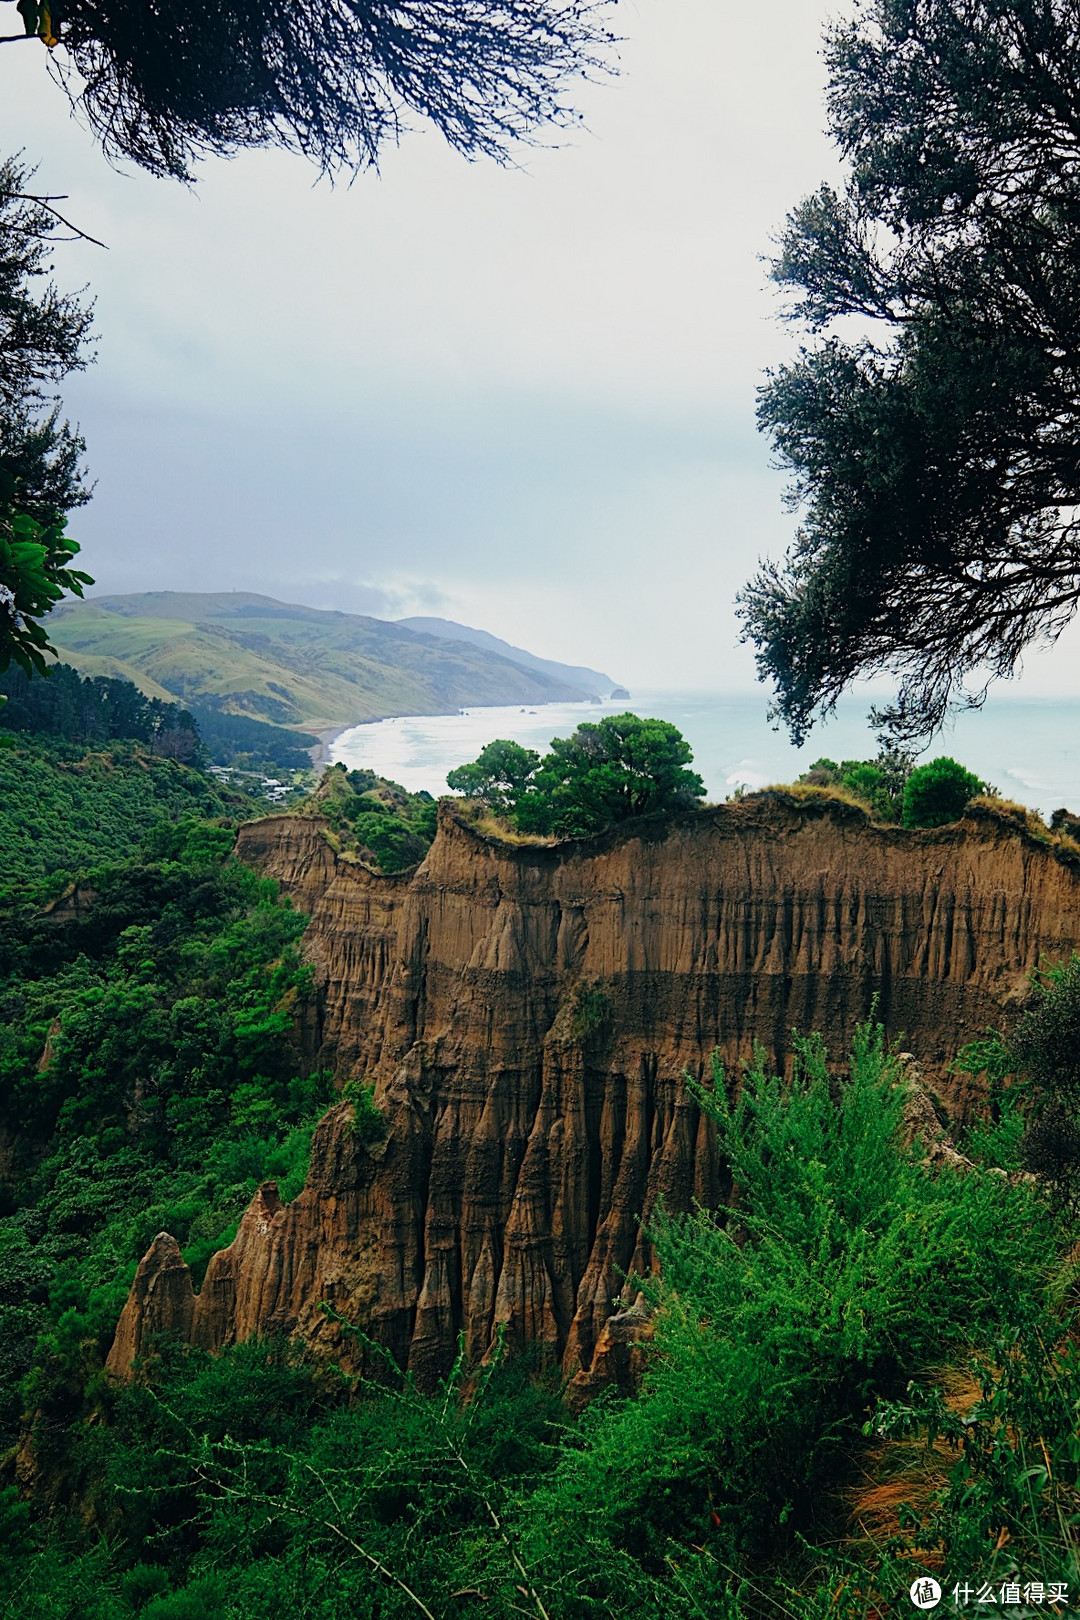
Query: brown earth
x=527, y=1013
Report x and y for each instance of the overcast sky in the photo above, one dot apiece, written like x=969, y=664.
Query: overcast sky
x=521, y=398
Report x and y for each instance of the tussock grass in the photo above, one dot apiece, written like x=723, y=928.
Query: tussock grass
x=906, y=1474
x=482, y=819
x=813, y=790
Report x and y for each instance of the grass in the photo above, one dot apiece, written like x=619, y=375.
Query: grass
x=288, y=665
x=812, y=791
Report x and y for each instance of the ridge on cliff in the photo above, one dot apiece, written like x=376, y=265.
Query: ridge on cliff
x=527, y=1013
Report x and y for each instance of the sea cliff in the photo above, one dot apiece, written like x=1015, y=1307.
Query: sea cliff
x=527, y=1013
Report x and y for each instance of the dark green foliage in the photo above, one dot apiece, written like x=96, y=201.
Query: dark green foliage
x=150, y=1079
x=1046, y=1042
x=499, y=776
x=933, y=452
x=936, y=794
x=43, y=337
x=879, y=782
x=368, y=1123
x=1045, y=1050
x=256, y=1484
x=98, y=708
x=844, y=1267
x=65, y=810
x=335, y=81
x=619, y=767
x=995, y=1136
x=240, y=739
x=386, y=826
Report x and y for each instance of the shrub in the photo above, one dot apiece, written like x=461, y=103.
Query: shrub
x=846, y=1266
x=937, y=793
x=368, y=1122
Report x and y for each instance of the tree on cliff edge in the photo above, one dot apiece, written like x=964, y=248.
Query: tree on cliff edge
x=619, y=767
x=933, y=430
x=335, y=80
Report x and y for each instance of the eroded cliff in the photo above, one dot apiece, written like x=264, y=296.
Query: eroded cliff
x=527, y=1013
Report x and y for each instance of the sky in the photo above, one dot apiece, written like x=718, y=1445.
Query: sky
x=522, y=397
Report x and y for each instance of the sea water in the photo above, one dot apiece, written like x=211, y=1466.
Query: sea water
x=1027, y=748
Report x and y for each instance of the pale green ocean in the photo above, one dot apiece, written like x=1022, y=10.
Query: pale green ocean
x=1028, y=748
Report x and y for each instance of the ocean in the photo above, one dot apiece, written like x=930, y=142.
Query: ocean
x=1027, y=748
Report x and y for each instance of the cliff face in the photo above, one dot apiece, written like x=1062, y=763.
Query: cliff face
x=527, y=1014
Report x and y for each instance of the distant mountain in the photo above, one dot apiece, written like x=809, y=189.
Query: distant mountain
x=291, y=665
x=590, y=682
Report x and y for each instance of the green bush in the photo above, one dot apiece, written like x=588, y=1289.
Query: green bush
x=619, y=767
x=368, y=1123
x=937, y=793
x=845, y=1267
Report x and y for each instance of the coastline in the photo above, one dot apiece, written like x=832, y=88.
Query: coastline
x=320, y=754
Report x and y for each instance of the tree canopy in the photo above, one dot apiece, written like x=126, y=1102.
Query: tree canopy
x=933, y=426
x=499, y=776
x=164, y=85
x=607, y=771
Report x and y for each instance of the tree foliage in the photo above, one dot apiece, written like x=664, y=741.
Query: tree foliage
x=879, y=782
x=937, y=792
x=150, y=1078
x=387, y=827
x=499, y=776
x=334, y=81
x=43, y=338
x=932, y=430
x=605, y=772
x=68, y=807
x=96, y=708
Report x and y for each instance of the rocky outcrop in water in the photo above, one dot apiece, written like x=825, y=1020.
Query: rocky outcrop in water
x=527, y=1013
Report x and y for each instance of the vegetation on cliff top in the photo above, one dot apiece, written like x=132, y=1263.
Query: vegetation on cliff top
x=893, y=788
x=374, y=820
x=619, y=767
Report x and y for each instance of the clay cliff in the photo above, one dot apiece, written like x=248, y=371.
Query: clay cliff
x=527, y=1012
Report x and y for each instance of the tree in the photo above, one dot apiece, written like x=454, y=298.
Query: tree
x=43, y=338
x=500, y=775
x=879, y=782
x=619, y=767
x=335, y=80
x=935, y=450
x=936, y=794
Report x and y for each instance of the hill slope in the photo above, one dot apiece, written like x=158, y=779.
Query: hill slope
x=289, y=664
x=592, y=681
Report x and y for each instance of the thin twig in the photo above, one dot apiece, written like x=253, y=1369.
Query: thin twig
x=47, y=202
x=282, y=1506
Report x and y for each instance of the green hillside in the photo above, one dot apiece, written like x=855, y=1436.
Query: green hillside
x=287, y=664
x=67, y=807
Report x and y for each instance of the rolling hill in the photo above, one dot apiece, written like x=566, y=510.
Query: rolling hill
x=591, y=681
x=288, y=664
